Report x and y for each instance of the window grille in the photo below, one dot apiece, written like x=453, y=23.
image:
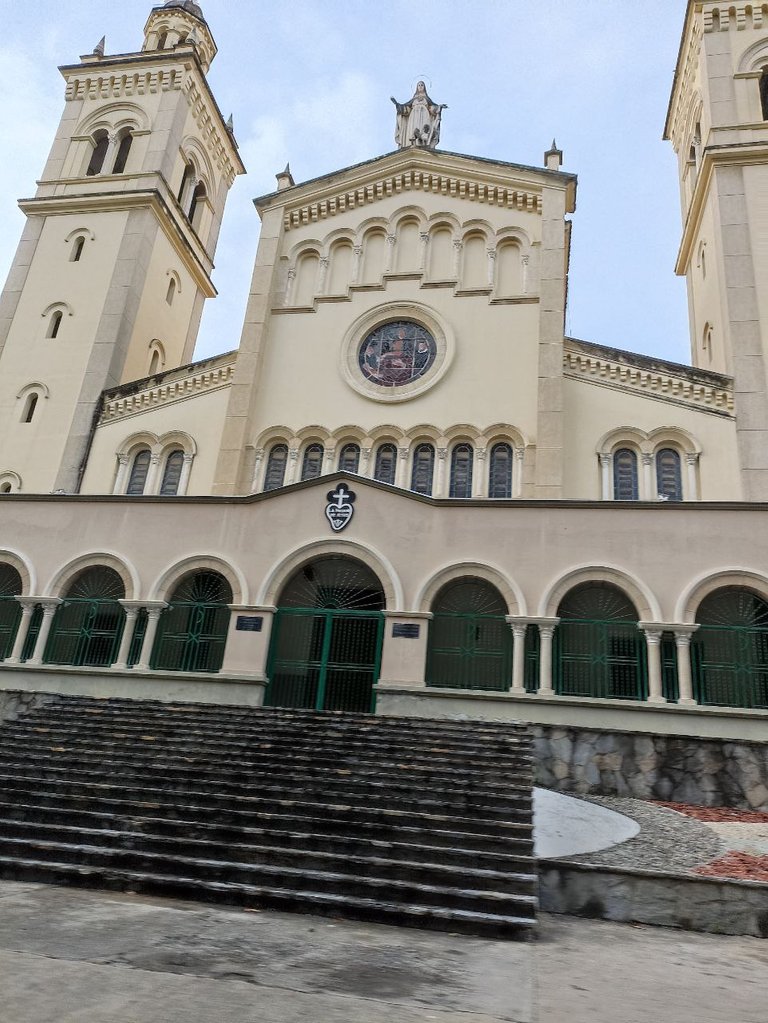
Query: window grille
x=349, y=459
x=423, y=469
x=386, y=464
x=461, y=471
x=500, y=471
x=669, y=480
x=172, y=474
x=312, y=465
x=88, y=625
x=192, y=630
x=276, y=463
x=625, y=475
x=139, y=470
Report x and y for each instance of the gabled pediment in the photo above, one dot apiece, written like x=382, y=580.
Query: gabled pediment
x=493, y=182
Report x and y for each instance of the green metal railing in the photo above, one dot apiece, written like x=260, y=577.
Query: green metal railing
x=324, y=659
x=670, y=688
x=10, y=616
x=599, y=658
x=85, y=633
x=469, y=651
x=730, y=666
x=191, y=636
x=30, y=642
x=532, y=644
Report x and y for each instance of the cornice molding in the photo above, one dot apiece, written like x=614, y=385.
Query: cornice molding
x=217, y=374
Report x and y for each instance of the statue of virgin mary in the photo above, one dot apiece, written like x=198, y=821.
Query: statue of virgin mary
x=418, y=120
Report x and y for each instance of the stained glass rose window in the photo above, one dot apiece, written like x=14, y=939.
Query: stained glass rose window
x=396, y=353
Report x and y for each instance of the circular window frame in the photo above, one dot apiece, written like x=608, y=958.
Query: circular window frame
x=391, y=312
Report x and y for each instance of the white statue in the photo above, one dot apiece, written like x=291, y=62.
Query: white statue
x=418, y=120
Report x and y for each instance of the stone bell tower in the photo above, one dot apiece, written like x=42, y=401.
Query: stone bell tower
x=718, y=125
x=115, y=261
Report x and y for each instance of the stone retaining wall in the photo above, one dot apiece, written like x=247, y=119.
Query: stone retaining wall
x=704, y=772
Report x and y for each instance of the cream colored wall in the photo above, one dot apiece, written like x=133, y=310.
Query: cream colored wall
x=756, y=189
x=594, y=411
x=706, y=294
x=201, y=418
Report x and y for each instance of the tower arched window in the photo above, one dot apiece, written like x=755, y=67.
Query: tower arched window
x=30, y=405
x=276, y=464
x=171, y=292
x=196, y=205
x=139, y=470
x=500, y=471
x=54, y=324
x=423, y=469
x=669, y=477
x=386, y=464
x=461, y=471
x=123, y=150
x=77, y=249
x=162, y=39
x=349, y=458
x=186, y=180
x=154, y=363
x=312, y=464
x=100, y=147
x=174, y=463
x=764, y=93
x=625, y=485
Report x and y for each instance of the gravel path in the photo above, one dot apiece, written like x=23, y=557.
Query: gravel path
x=667, y=840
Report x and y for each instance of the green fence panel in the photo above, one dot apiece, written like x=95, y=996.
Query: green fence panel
x=10, y=616
x=601, y=659
x=730, y=666
x=191, y=636
x=85, y=633
x=467, y=651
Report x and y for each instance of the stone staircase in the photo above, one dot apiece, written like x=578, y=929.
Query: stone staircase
x=396, y=820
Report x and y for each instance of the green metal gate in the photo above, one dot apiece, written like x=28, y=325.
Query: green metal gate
x=10, y=608
x=88, y=625
x=325, y=652
x=730, y=650
x=192, y=630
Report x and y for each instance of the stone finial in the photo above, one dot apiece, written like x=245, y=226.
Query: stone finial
x=553, y=158
x=285, y=179
x=99, y=47
x=230, y=125
x=418, y=120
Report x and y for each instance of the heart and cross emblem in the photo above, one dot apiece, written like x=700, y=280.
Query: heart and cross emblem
x=339, y=510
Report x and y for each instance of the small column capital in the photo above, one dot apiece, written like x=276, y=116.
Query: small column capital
x=605, y=458
x=647, y=458
x=692, y=457
x=132, y=606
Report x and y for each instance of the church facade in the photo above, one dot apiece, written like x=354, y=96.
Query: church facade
x=407, y=485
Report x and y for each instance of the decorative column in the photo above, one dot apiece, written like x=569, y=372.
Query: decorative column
x=605, y=474
x=458, y=245
x=121, y=480
x=293, y=466
x=519, y=629
x=49, y=606
x=357, y=263
x=692, y=464
x=424, y=240
x=401, y=472
x=329, y=457
x=323, y=275
x=525, y=261
x=649, y=490
x=154, y=609
x=27, y=610
x=683, y=637
x=258, y=458
x=517, y=474
x=365, y=462
x=491, y=266
x=291, y=281
x=186, y=469
x=389, y=257
x=653, y=633
x=442, y=458
x=132, y=608
x=479, y=475
x=547, y=628
x=150, y=485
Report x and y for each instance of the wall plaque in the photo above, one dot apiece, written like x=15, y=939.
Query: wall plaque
x=249, y=623
x=403, y=631
x=340, y=507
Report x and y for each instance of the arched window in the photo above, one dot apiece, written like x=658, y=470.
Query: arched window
x=126, y=141
x=276, y=463
x=196, y=206
x=386, y=464
x=88, y=625
x=100, y=147
x=186, y=178
x=669, y=478
x=461, y=471
x=154, y=363
x=54, y=325
x=192, y=631
x=174, y=463
x=423, y=470
x=162, y=39
x=171, y=292
x=349, y=458
x=312, y=464
x=5, y=488
x=625, y=487
x=28, y=413
x=764, y=93
x=138, y=478
x=730, y=649
x=500, y=471
x=77, y=249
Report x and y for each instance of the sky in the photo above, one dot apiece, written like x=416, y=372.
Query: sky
x=309, y=82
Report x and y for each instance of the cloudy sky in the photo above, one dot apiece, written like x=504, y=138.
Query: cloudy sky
x=309, y=81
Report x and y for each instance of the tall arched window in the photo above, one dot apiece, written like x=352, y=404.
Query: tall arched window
x=126, y=141
x=349, y=458
x=100, y=147
x=186, y=180
x=312, y=463
x=423, y=470
x=461, y=471
x=138, y=477
x=730, y=649
x=276, y=463
x=77, y=249
x=162, y=39
x=174, y=463
x=625, y=487
x=54, y=324
x=669, y=478
x=196, y=205
x=171, y=292
x=500, y=471
x=155, y=363
x=386, y=464
x=28, y=413
x=764, y=93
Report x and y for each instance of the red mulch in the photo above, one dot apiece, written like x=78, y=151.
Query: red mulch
x=719, y=814
x=737, y=865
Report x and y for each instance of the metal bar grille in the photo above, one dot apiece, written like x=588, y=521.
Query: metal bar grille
x=85, y=633
x=10, y=616
x=469, y=652
x=191, y=636
x=730, y=665
x=602, y=659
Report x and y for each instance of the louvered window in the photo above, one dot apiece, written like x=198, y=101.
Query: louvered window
x=349, y=458
x=276, y=463
x=312, y=465
x=461, y=471
x=138, y=478
x=423, y=469
x=386, y=464
x=669, y=480
x=500, y=471
x=625, y=475
x=172, y=474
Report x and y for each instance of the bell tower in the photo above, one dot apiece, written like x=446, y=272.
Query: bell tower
x=718, y=125
x=115, y=261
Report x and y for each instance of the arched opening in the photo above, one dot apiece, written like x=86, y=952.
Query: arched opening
x=764, y=93
x=625, y=481
x=441, y=255
x=10, y=608
x=340, y=275
x=139, y=471
x=123, y=151
x=407, y=246
x=171, y=292
x=669, y=477
x=186, y=181
x=307, y=271
x=325, y=652
x=30, y=405
x=77, y=249
x=276, y=465
x=162, y=39
x=155, y=363
x=192, y=630
x=196, y=205
x=509, y=271
x=88, y=625
x=470, y=641
x=100, y=146
x=474, y=272
x=461, y=471
x=423, y=469
x=385, y=469
x=5, y=488
x=174, y=464
x=598, y=649
x=730, y=649
x=349, y=458
x=54, y=325
x=374, y=247
x=312, y=463
x=500, y=471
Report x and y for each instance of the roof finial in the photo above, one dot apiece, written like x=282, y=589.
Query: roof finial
x=285, y=179
x=99, y=47
x=230, y=125
x=553, y=158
